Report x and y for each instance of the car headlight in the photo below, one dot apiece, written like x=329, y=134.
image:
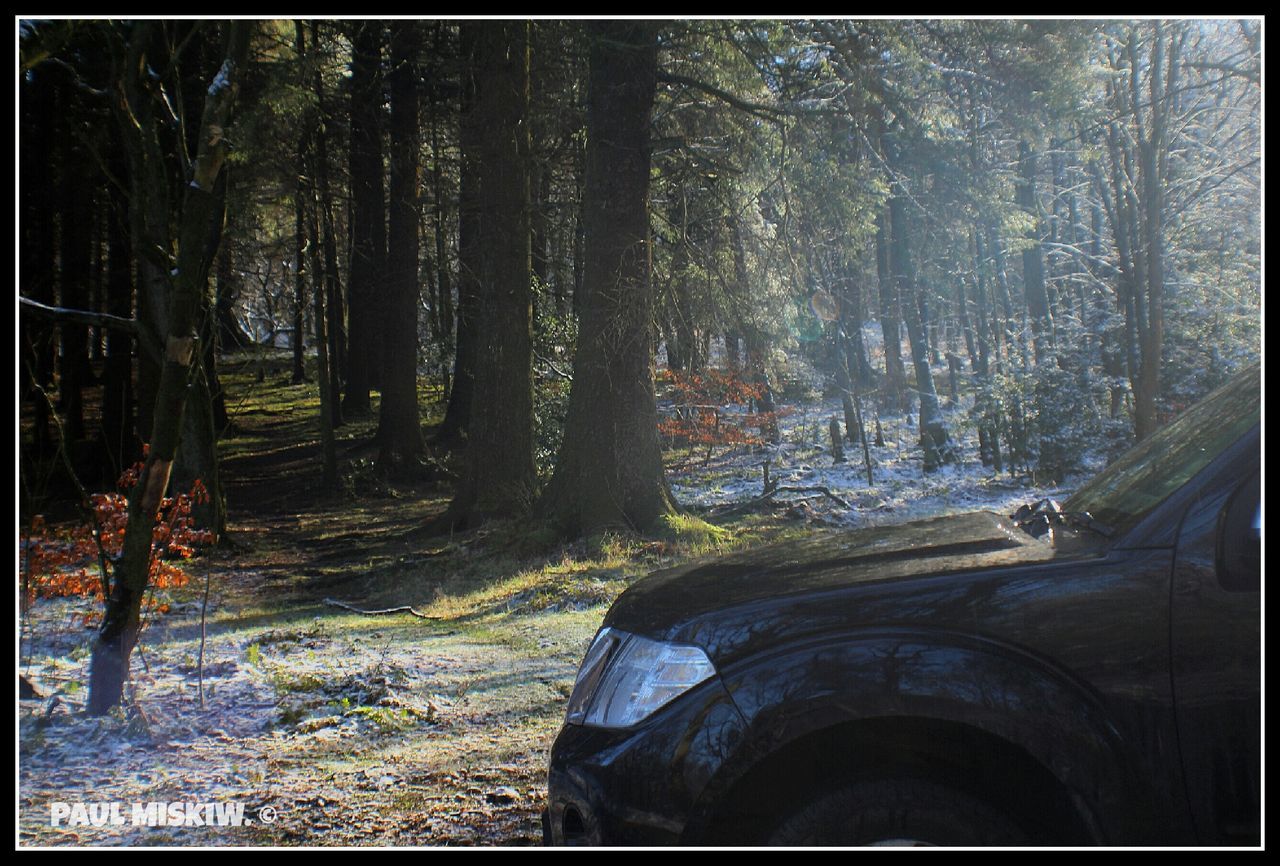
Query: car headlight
x=625, y=678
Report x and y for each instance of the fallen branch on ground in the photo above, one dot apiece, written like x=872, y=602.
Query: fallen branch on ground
x=402, y=609
x=760, y=500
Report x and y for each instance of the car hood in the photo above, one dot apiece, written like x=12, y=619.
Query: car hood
x=672, y=603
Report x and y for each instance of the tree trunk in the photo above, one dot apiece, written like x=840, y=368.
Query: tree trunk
x=966, y=329
x=895, y=372
x=326, y=280
x=987, y=408
x=540, y=221
x=308, y=190
x=74, y=274
x=117, y=375
x=498, y=478
x=849, y=297
x=230, y=334
x=1015, y=347
x=933, y=431
x=300, y=234
x=837, y=441
x=1110, y=338
x=444, y=288
x=1153, y=169
x=97, y=293
x=324, y=370
x=206, y=413
x=399, y=430
x=299, y=340
x=928, y=326
x=739, y=297
x=758, y=367
x=368, y=215
x=1137, y=143
x=609, y=472
x=121, y=622
x=457, y=417
x=1033, y=257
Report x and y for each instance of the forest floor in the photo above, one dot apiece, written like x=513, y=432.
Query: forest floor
x=429, y=726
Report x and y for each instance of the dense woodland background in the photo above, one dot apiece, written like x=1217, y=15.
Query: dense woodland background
x=509, y=239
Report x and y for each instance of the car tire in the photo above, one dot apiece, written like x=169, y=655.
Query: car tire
x=906, y=812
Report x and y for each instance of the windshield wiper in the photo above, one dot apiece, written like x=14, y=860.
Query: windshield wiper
x=1038, y=518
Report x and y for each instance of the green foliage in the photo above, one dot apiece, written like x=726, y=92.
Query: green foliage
x=1204, y=347
x=795, y=378
x=555, y=334
x=1066, y=421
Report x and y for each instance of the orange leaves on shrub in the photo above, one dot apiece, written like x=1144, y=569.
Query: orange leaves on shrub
x=60, y=564
x=699, y=419
x=718, y=387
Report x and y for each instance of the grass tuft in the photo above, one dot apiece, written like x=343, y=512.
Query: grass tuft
x=695, y=535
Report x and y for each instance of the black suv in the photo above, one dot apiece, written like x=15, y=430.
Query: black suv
x=1083, y=674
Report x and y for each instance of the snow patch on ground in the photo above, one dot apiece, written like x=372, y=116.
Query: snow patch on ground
x=900, y=488
x=356, y=730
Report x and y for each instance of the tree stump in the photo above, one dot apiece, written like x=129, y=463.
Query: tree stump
x=837, y=448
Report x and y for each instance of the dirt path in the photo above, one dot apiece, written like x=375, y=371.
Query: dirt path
x=346, y=729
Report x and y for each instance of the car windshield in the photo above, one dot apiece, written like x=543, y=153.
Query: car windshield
x=1124, y=492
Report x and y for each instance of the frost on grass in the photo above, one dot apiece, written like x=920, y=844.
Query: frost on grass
x=357, y=730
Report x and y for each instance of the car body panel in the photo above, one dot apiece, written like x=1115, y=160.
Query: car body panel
x=609, y=774
x=1121, y=666
x=686, y=604
x=1098, y=727
x=888, y=641
x=1217, y=667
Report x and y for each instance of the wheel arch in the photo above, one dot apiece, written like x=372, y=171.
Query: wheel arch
x=961, y=755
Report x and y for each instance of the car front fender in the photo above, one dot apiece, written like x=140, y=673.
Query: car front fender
x=952, y=681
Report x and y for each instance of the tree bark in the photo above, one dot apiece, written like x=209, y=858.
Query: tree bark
x=117, y=375
x=1153, y=171
x=986, y=405
x=74, y=274
x=499, y=476
x=326, y=276
x=320, y=321
x=457, y=417
x=890, y=317
x=444, y=310
x=368, y=220
x=229, y=332
x=1138, y=146
x=206, y=412
x=1033, y=281
x=609, y=473
x=399, y=430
